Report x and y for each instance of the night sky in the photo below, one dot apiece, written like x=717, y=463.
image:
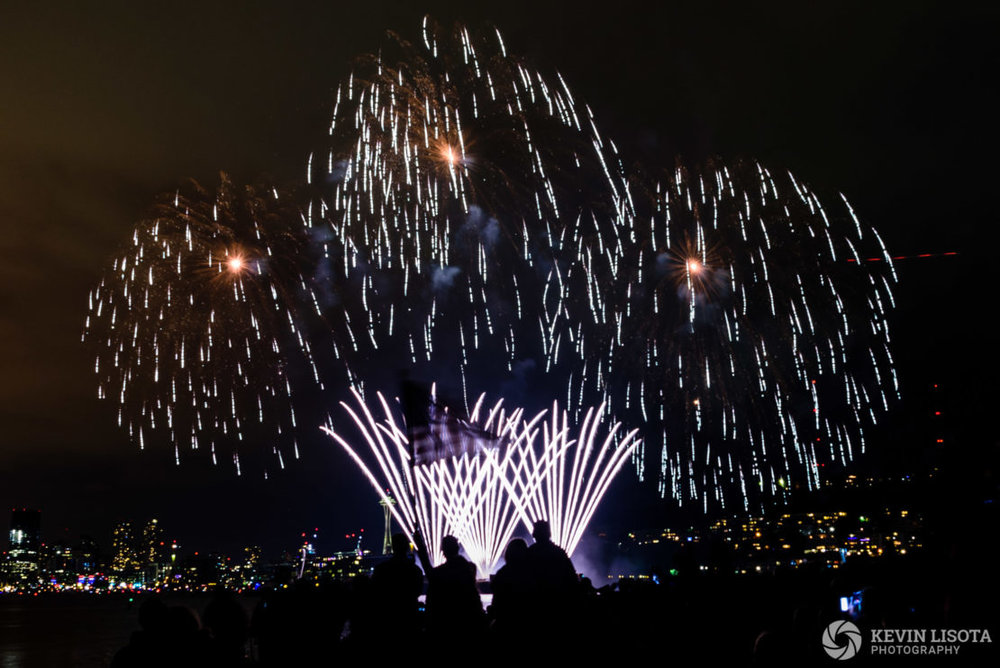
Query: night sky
x=102, y=108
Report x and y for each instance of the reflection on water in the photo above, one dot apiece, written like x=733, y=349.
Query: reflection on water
x=81, y=631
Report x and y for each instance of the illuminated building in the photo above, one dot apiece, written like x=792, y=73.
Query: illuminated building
x=125, y=562
x=153, y=553
x=248, y=572
x=58, y=563
x=152, y=542
x=86, y=554
x=22, y=567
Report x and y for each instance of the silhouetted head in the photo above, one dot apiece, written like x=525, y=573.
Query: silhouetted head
x=449, y=546
x=517, y=549
x=153, y=614
x=400, y=544
x=181, y=621
x=227, y=620
x=541, y=532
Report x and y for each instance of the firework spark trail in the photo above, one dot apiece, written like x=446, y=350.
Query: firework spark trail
x=568, y=499
x=463, y=496
x=196, y=323
x=483, y=497
x=469, y=181
x=746, y=325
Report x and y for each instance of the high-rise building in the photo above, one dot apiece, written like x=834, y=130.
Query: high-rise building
x=152, y=542
x=153, y=553
x=25, y=529
x=86, y=553
x=22, y=565
x=58, y=561
x=249, y=569
x=125, y=558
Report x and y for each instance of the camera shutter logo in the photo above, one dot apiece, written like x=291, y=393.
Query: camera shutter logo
x=842, y=639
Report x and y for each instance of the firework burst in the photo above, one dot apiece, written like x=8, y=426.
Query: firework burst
x=197, y=325
x=459, y=186
x=745, y=334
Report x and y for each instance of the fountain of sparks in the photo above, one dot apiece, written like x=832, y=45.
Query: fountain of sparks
x=538, y=467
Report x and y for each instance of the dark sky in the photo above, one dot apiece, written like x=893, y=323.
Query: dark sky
x=105, y=105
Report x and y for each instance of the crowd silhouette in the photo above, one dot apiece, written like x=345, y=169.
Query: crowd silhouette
x=535, y=595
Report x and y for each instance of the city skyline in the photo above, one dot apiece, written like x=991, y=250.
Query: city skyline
x=847, y=529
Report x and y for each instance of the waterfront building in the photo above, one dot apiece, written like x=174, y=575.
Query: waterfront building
x=22, y=568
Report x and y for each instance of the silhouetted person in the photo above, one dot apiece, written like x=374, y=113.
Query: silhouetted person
x=397, y=583
x=186, y=645
x=229, y=629
x=454, y=608
x=513, y=589
x=175, y=639
x=289, y=624
x=145, y=647
x=554, y=615
x=550, y=566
